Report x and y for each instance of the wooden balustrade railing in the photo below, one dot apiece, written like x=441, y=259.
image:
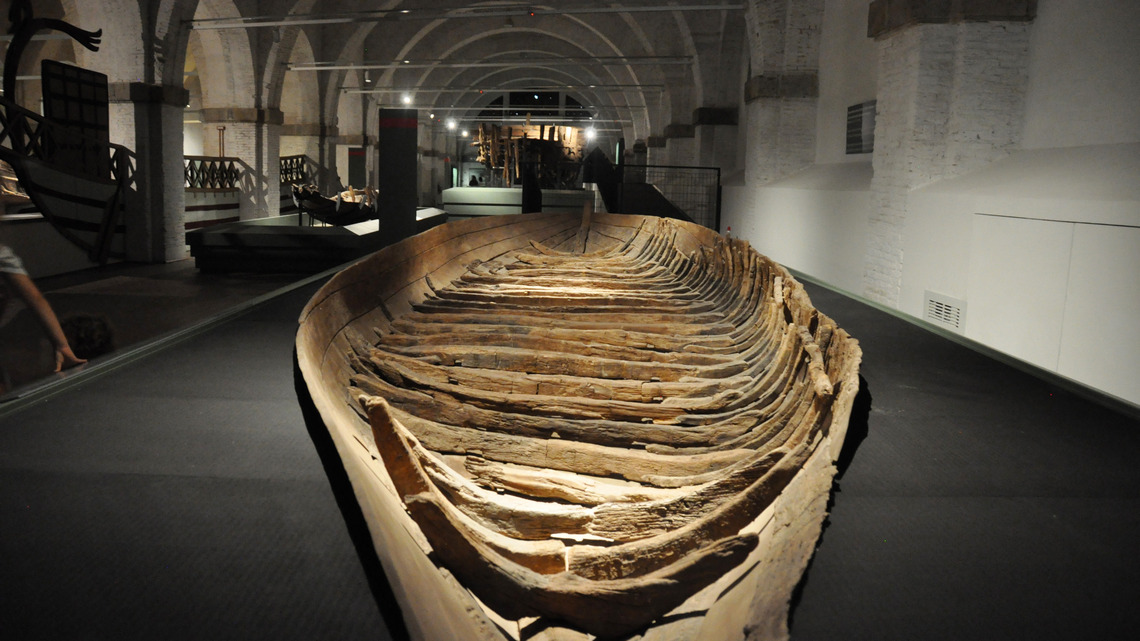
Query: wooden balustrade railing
x=26, y=134
x=295, y=170
x=209, y=172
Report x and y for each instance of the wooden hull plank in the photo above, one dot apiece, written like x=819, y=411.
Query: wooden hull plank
x=587, y=441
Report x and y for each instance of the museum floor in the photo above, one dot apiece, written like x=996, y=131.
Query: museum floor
x=173, y=492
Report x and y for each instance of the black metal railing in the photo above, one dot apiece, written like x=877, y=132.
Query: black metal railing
x=208, y=172
x=693, y=190
x=551, y=175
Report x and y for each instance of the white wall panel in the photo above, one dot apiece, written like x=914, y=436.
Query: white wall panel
x=1100, y=345
x=1018, y=279
x=813, y=222
x=936, y=248
x=1083, y=84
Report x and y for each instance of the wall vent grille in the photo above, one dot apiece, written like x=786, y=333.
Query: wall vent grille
x=945, y=311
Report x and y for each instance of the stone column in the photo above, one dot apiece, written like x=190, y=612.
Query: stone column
x=781, y=125
x=638, y=153
x=253, y=136
x=781, y=97
x=655, y=152
x=716, y=134
x=951, y=95
x=680, y=144
x=154, y=216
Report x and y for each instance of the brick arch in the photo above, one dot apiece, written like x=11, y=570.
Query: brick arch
x=428, y=40
x=225, y=59
x=172, y=30
x=300, y=92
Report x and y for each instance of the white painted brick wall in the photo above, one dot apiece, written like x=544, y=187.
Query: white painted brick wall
x=906, y=72
x=681, y=151
x=950, y=100
x=301, y=146
x=121, y=124
x=258, y=146
x=796, y=142
x=765, y=24
x=801, y=38
x=761, y=157
x=780, y=138
x=781, y=132
x=173, y=189
x=992, y=77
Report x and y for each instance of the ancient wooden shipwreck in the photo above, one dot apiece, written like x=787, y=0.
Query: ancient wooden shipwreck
x=567, y=427
x=344, y=208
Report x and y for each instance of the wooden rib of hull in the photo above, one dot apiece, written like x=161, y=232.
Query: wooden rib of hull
x=622, y=426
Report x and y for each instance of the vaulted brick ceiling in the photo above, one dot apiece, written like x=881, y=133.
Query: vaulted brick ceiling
x=639, y=64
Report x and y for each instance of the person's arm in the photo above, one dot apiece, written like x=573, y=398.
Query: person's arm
x=21, y=285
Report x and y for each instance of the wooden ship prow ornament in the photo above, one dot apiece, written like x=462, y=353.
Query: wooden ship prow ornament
x=75, y=177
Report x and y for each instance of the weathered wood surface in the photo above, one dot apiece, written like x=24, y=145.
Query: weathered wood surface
x=596, y=438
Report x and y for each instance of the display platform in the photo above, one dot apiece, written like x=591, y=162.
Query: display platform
x=466, y=202
x=293, y=243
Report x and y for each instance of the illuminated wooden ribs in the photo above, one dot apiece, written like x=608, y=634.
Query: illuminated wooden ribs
x=592, y=437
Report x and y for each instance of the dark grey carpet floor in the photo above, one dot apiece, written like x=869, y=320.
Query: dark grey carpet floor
x=983, y=503
x=181, y=497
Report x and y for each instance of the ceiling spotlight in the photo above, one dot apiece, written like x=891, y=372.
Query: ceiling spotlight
x=464, y=133
x=450, y=123
x=590, y=133
x=407, y=99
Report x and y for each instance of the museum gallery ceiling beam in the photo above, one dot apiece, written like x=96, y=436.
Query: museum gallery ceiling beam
x=439, y=13
x=617, y=61
x=382, y=90
x=516, y=108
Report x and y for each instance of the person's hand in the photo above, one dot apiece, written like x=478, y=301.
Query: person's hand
x=65, y=358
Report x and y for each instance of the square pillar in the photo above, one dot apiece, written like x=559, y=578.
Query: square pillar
x=156, y=210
